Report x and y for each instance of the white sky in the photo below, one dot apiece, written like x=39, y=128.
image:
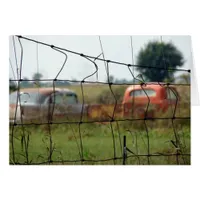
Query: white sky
x=116, y=48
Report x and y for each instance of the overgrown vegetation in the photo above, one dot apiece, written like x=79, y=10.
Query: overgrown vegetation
x=111, y=96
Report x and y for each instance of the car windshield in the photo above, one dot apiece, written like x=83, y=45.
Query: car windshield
x=27, y=97
x=66, y=98
x=70, y=98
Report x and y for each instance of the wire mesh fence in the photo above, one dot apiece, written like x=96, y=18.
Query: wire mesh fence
x=51, y=126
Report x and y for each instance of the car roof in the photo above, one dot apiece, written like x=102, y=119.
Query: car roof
x=46, y=91
x=148, y=85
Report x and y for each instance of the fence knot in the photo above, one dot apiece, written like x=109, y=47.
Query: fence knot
x=112, y=120
x=110, y=83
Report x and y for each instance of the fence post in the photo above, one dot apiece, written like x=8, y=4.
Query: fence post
x=124, y=151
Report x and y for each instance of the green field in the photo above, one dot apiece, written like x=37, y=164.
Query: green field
x=96, y=143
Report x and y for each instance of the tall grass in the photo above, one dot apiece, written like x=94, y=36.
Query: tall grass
x=98, y=141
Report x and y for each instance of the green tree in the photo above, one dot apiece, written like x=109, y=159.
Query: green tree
x=161, y=55
x=12, y=86
x=37, y=77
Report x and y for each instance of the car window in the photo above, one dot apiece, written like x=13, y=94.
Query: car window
x=143, y=93
x=68, y=98
x=58, y=99
x=170, y=94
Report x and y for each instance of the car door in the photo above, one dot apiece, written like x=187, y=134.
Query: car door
x=140, y=99
x=30, y=105
x=52, y=106
x=69, y=108
x=71, y=105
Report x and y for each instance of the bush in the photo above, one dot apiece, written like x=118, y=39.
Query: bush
x=12, y=86
x=110, y=96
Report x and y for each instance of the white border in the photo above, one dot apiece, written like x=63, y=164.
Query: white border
x=102, y=17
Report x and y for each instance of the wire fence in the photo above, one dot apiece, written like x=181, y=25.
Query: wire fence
x=110, y=133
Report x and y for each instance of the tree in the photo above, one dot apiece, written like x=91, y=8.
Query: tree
x=12, y=86
x=37, y=76
x=161, y=55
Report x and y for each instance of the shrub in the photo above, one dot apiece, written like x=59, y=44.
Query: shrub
x=107, y=97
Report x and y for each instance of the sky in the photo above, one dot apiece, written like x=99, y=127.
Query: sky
x=43, y=59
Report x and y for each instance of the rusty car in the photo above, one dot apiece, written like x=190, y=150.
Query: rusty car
x=44, y=105
x=139, y=101
x=152, y=97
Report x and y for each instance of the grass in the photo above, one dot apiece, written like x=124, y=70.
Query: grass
x=98, y=144
x=61, y=142
x=92, y=92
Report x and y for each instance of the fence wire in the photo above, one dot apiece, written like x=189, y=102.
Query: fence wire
x=126, y=139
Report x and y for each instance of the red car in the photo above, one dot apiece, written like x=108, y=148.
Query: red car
x=139, y=101
x=158, y=97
